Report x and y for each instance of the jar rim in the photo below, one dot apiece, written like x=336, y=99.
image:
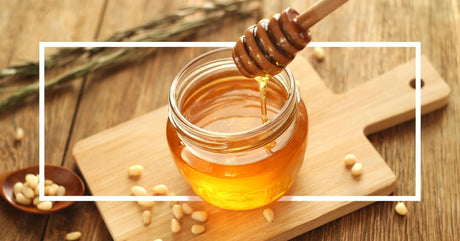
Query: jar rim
x=178, y=119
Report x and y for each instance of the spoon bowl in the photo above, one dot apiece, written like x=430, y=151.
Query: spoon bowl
x=60, y=175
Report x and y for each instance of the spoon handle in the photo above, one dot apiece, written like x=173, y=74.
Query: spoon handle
x=318, y=11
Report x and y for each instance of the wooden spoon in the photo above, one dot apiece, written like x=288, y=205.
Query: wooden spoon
x=60, y=175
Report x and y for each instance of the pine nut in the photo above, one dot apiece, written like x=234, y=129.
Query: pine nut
x=25, y=184
x=158, y=239
x=186, y=209
x=53, y=189
x=177, y=211
x=138, y=191
x=172, y=203
x=36, y=201
x=73, y=236
x=45, y=205
x=135, y=170
x=146, y=204
x=17, y=188
x=349, y=159
x=147, y=217
x=160, y=189
x=61, y=191
x=21, y=199
x=19, y=134
x=357, y=169
x=47, y=190
x=318, y=53
x=401, y=209
x=268, y=214
x=32, y=180
x=199, y=216
x=175, y=226
x=28, y=192
x=197, y=229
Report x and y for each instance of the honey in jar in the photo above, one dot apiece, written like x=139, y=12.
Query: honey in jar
x=235, y=151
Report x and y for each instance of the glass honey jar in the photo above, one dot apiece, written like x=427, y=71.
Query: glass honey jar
x=219, y=141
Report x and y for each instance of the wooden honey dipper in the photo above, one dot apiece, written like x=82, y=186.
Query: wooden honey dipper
x=270, y=45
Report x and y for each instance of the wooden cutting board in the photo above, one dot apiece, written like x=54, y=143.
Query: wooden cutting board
x=338, y=126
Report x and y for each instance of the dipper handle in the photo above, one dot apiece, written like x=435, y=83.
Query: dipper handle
x=318, y=11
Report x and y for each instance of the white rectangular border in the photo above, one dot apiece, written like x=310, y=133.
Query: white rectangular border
x=41, y=97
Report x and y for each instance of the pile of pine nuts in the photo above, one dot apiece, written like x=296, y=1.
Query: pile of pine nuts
x=178, y=210
x=27, y=193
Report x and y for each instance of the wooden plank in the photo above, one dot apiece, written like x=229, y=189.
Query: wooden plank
x=336, y=128
x=23, y=25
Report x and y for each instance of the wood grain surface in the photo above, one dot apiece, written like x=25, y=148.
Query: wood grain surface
x=103, y=100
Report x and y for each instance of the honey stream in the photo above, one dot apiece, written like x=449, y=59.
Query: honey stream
x=262, y=81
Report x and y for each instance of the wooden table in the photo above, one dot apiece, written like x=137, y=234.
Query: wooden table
x=104, y=99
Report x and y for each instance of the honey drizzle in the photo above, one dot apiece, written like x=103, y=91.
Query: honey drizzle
x=262, y=81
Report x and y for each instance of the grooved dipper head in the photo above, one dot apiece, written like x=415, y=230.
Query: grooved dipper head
x=270, y=45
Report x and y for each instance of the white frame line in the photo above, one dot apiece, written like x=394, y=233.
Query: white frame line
x=41, y=97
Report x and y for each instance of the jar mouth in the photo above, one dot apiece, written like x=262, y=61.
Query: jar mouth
x=220, y=140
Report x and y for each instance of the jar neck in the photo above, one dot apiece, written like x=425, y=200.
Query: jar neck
x=210, y=64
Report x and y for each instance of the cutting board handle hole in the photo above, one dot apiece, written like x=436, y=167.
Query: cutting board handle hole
x=412, y=83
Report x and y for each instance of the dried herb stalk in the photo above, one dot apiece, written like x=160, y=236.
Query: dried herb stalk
x=175, y=27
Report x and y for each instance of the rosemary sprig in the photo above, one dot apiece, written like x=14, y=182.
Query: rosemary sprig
x=175, y=27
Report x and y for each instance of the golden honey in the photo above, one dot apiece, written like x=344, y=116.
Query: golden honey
x=231, y=156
